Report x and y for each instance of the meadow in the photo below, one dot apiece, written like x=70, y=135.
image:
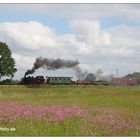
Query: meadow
x=69, y=110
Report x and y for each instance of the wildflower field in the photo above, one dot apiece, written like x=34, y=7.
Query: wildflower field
x=69, y=110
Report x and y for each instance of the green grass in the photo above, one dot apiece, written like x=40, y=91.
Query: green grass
x=125, y=99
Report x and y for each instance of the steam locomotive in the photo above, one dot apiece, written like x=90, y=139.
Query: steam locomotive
x=33, y=80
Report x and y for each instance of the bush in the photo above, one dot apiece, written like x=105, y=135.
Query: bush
x=9, y=82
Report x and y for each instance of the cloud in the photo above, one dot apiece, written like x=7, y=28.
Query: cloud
x=31, y=35
x=89, y=31
x=83, y=11
x=87, y=11
x=23, y=61
x=117, y=52
x=87, y=42
x=79, y=11
x=125, y=35
x=108, y=43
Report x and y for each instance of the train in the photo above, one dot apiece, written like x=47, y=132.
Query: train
x=30, y=80
x=40, y=80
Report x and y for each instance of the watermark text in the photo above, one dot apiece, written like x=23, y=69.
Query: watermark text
x=12, y=129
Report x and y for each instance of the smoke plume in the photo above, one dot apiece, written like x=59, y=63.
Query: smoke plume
x=101, y=76
x=80, y=73
x=51, y=64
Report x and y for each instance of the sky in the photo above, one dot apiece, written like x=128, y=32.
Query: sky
x=99, y=36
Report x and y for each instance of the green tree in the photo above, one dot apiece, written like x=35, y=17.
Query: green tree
x=7, y=63
x=135, y=75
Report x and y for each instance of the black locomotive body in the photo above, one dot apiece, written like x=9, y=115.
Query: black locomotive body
x=30, y=80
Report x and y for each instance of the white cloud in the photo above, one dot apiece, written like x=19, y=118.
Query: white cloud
x=125, y=36
x=117, y=52
x=84, y=66
x=80, y=11
x=89, y=31
x=84, y=50
x=113, y=42
x=88, y=43
x=22, y=61
x=31, y=35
